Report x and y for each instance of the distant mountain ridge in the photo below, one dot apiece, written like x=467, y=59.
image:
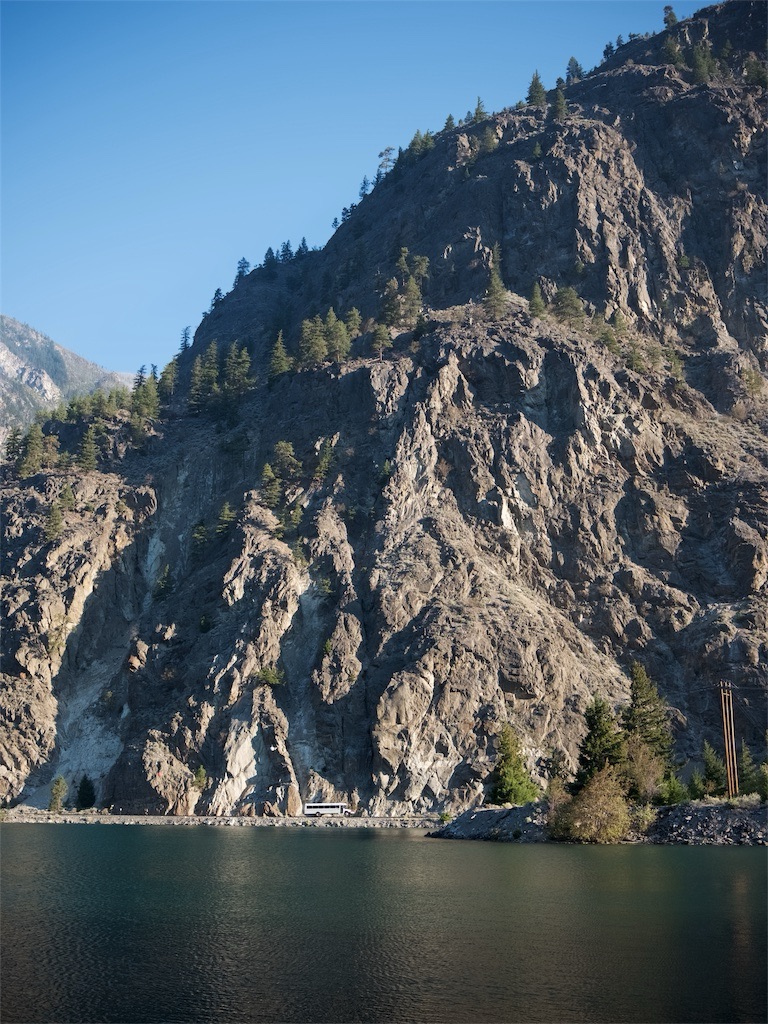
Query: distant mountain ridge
x=36, y=373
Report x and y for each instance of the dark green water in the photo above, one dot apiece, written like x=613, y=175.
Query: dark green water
x=137, y=924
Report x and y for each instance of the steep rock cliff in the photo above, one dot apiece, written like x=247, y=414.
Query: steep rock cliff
x=487, y=525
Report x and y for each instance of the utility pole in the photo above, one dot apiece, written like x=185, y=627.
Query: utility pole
x=729, y=736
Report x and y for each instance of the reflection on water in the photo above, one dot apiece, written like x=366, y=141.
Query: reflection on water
x=109, y=923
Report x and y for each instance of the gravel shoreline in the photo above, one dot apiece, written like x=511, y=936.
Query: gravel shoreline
x=30, y=816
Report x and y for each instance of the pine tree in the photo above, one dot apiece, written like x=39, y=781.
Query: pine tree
x=608, y=51
x=365, y=187
x=218, y=298
x=536, y=95
x=715, y=776
x=227, y=517
x=195, y=399
x=243, y=267
x=54, y=522
x=480, y=113
x=237, y=368
x=270, y=486
x=749, y=772
x=209, y=379
x=603, y=744
x=558, y=110
x=185, y=339
x=50, y=451
x=164, y=583
x=67, y=498
x=670, y=18
x=411, y=301
x=86, y=794
x=574, y=72
x=32, y=460
x=513, y=783
x=450, y=124
x=303, y=248
x=496, y=294
x=567, y=307
x=313, y=348
x=279, y=362
x=336, y=337
x=285, y=460
x=58, y=792
x=353, y=321
x=647, y=715
x=381, y=339
x=390, y=304
x=86, y=459
x=536, y=306
x=14, y=445
x=703, y=64
x=168, y=379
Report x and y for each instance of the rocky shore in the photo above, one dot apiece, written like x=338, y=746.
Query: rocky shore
x=700, y=823
x=28, y=815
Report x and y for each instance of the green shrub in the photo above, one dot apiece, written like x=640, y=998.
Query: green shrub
x=201, y=779
x=270, y=676
x=598, y=814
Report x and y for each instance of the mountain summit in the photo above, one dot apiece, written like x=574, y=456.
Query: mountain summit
x=501, y=438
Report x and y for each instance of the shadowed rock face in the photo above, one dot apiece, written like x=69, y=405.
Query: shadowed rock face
x=511, y=515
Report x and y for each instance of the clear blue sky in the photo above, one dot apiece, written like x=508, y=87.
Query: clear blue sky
x=147, y=146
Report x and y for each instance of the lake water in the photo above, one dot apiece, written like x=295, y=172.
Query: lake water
x=113, y=923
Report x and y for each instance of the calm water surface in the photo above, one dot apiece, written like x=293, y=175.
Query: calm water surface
x=109, y=923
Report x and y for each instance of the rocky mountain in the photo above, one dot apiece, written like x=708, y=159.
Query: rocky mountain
x=37, y=374
x=485, y=523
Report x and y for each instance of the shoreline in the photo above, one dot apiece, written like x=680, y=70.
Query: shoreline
x=32, y=816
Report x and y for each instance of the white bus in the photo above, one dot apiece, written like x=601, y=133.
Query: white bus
x=319, y=809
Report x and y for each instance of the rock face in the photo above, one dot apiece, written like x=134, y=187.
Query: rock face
x=36, y=373
x=487, y=525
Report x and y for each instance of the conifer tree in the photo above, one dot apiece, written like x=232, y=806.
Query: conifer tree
x=166, y=386
x=536, y=95
x=715, y=776
x=336, y=336
x=748, y=771
x=32, y=460
x=536, y=305
x=209, y=379
x=496, y=294
x=574, y=72
x=647, y=715
x=50, y=451
x=86, y=794
x=279, y=362
x=195, y=400
x=411, y=306
x=670, y=18
x=608, y=51
x=270, y=486
x=559, y=109
x=86, y=460
x=218, y=298
x=303, y=248
x=513, y=783
x=381, y=339
x=243, y=267
x=67, y=498
x=603, y=744
x=365, y=187
x=54, y=522
x=480, y=113
x=568, y=308
x=58, y=792
x=184, y=345
x=353, y=321
x=237, y=368
x=390, y=305
x=285, y=460
x=14, y=445
x=313, y=348
x=450, y=124
x=227, y=517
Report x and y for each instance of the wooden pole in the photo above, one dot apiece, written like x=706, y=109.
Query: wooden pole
x=729, y=738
